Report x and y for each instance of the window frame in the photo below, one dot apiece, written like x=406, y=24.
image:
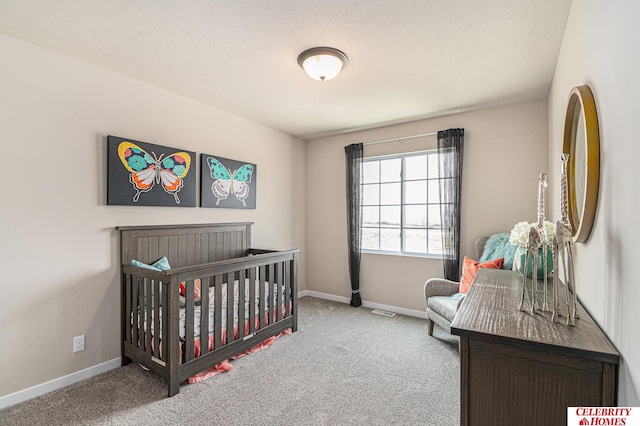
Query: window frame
x=403, y=227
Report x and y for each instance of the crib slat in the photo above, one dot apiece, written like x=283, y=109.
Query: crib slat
x=147, y=304
x=270, y=295
x=287, y=288
x=294, y=291
x=230, y=308
x=252, y=300
x=263, y=298
x=204, y=316
x=126, y=332
x=171, y=339
x=241, y=299
x=140, y=311
x=156, y=318
x=278, y=285
x=189, y=314
x=164, y=322
x=242, y=303
x=217, y=322
x=137, y=299
x=134, y=309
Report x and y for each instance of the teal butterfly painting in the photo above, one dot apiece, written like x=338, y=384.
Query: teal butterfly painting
x=229, y=183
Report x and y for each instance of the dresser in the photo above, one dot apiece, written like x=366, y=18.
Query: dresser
x=518, y=368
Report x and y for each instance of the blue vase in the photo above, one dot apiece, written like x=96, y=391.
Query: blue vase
x=520, y=255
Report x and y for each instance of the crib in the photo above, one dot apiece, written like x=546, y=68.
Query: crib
x=245, y=296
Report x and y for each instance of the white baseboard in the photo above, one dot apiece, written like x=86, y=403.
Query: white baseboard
x=59, y=383
x=372, y=305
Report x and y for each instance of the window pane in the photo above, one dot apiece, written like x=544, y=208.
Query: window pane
x=434, y=216
x=370, y=195
x=390, y=216
x=415, y=192
x=370, y=239
x=390, y=239
x=415, y=216
x=371, y=216
x=390, y=170
x=390, y=193
x=434, y=191
x=371, y=171
x=415, y=167
x=434, y=241
x=433, y=166
x=416, y=240
x=401, y=204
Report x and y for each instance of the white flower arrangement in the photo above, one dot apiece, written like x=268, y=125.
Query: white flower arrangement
x=520, y=233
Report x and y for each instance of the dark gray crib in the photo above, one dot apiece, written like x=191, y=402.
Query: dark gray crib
x=215, y=254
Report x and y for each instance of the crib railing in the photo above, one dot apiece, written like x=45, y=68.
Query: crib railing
x=151, y=309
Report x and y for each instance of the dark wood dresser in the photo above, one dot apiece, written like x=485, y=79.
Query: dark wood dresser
x=522, y=369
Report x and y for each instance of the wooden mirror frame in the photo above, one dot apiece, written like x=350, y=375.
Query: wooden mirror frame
x=583, y=168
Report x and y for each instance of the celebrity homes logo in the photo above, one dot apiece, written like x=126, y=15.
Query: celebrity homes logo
x=603, y=416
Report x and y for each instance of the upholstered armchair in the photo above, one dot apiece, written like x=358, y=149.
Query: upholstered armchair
x=443, y=298
x=442, y=304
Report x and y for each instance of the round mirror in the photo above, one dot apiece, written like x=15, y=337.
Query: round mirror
x=582, y=143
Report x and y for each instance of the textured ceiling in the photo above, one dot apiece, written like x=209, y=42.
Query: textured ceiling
x=408, y=59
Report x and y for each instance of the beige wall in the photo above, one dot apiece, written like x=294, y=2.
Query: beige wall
x=505, y=150
x=599, y=49
x=59, y=249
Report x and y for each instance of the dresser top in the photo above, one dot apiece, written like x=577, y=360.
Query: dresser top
x=490, y=312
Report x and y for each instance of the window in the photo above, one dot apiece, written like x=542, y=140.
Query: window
x=401, y=204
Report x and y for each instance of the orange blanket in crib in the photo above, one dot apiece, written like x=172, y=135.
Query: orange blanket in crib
x=226, y=365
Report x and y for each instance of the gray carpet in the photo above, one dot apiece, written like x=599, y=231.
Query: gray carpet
x=344, y=366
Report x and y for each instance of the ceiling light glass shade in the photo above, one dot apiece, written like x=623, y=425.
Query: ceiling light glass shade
x=322, y=63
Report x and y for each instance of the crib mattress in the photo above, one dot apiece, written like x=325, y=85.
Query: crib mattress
x=198, y=308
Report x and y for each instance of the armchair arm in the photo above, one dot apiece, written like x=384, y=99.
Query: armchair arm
x=440, y=287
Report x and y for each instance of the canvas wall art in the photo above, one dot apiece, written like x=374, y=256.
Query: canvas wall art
x=227, y=183
x=145, y=174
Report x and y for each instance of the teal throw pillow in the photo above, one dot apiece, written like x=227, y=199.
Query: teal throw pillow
x=498, y=246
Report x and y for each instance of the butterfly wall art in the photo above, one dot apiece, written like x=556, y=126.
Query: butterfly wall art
x=227, y=183
x=145, y=174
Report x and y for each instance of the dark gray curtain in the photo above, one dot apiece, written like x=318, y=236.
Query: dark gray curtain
x=353, y=155
x=450, y=149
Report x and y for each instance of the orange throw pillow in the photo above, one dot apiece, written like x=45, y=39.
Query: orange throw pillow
x=470, y=269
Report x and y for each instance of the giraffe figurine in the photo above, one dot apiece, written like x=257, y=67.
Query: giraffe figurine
x=565, y=242
x=537, y=239
x=544, y=242
x=556, y=283
x=533, y=242
x=563, y=248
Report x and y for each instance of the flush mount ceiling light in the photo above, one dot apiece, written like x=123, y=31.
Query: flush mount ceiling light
x=322, y=63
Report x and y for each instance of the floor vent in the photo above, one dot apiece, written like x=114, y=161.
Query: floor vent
x=383, y=313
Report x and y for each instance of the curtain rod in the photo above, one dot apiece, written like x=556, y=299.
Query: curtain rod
x=400, y=139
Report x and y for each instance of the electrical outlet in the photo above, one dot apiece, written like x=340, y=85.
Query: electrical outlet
x=78, y=343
